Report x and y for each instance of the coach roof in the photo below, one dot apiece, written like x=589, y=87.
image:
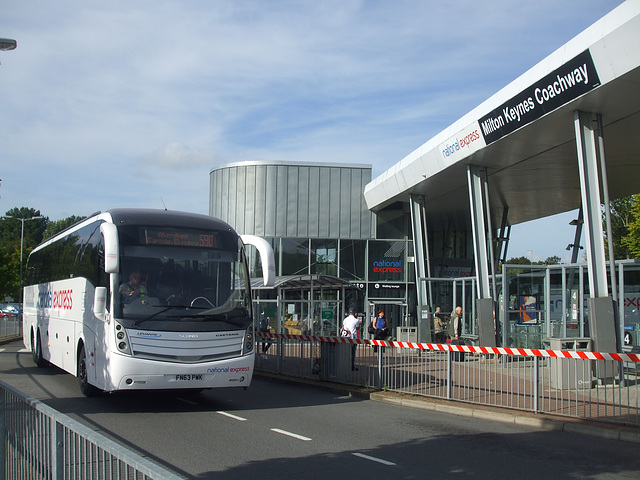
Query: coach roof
x=153, y=217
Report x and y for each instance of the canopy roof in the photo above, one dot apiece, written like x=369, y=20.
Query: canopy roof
x=297, y=282
x=525, y=136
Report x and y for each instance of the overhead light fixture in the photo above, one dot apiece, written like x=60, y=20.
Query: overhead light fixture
x=7, y=44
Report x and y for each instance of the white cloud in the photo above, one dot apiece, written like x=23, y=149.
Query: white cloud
x=176, y=155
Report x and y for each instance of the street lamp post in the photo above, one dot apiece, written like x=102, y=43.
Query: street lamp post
x=7, y=44
x=22, y=220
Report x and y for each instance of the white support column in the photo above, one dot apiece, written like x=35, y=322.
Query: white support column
x=482, y=244
x=590, y=191
x=601, y=307
x=478, y=227
x=423, y=269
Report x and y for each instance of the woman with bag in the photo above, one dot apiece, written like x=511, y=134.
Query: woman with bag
x=382, y=328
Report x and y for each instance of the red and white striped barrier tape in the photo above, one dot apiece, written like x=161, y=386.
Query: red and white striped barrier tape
x=524, y=352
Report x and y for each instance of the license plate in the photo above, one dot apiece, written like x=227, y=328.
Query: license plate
x=190, y=377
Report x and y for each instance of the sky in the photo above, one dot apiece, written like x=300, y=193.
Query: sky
x=132, y=103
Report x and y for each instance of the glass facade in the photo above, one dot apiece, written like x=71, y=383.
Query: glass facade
x=393, y=222
x=331, y=252
x=352, y=259
x=292, y=256
x=375, y=274
x=324, y=257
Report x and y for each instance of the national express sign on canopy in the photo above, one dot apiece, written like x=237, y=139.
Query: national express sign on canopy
x=576, y=77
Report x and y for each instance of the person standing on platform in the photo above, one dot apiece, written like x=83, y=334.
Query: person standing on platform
x=350, y=330
x=382, y=328
x=455, y=324
x=455, y=328
x=263, y=326
x=440, y=326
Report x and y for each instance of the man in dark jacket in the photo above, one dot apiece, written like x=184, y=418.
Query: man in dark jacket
x=455, y=324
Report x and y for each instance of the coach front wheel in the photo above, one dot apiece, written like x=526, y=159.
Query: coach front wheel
x=36, y=349
x=86, y=388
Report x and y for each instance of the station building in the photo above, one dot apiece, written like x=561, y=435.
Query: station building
x=433, y=229
x=332, y=253
x=561, y=137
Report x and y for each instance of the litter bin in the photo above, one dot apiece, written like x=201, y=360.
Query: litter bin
x=407, y=334
x=570, y=373
x=335, y=362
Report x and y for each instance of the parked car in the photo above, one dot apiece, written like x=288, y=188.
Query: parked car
x=9, y=312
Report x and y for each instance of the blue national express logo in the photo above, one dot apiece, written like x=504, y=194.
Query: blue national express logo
x=58, y=299
x=386, y=266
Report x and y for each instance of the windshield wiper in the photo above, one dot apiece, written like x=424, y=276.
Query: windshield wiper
x=165, y=309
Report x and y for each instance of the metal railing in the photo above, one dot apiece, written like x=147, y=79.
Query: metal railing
x=574, y=383
x=37, y=442
x=10, y=328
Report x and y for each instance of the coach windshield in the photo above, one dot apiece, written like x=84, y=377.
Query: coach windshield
x=177, y=279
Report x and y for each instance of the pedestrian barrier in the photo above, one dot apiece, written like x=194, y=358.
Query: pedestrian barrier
x=10, y=329
x=39, y=443
x=570, y=382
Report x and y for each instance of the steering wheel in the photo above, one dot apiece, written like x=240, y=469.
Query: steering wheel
x=198, y=299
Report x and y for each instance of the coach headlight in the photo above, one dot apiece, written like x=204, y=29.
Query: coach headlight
x=122, y=339
x=249, y=340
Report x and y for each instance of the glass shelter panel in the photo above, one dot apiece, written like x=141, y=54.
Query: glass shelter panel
x=324, y=257
x=630, y=303
x=526, y=314
x=294, y=256
x=352, y=259
x=541, y=303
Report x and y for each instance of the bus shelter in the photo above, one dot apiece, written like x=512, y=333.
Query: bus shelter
x=304, y=304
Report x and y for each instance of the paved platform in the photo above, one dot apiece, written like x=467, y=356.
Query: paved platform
x=540, y=421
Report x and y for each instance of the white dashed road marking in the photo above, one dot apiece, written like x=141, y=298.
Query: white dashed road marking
x=235, y=417
x=373, y=459
x=294, y=435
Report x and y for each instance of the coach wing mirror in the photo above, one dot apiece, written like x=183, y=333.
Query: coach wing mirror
x=110, y=235
x=100, y=303
x=266, y=257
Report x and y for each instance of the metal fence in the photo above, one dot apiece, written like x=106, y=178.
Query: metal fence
x=570, y=382
x=39, y=443
x=10, y=328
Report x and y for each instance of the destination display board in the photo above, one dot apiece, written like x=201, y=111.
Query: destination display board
x=180, y=238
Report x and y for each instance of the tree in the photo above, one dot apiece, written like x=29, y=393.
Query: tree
x=632, y=240
x=553, y=260
x=13, y=243
x=624, y=213
x=518, y=261
x=59, y=225
x=35, y=231
x=11, y=229
x=6, y=275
